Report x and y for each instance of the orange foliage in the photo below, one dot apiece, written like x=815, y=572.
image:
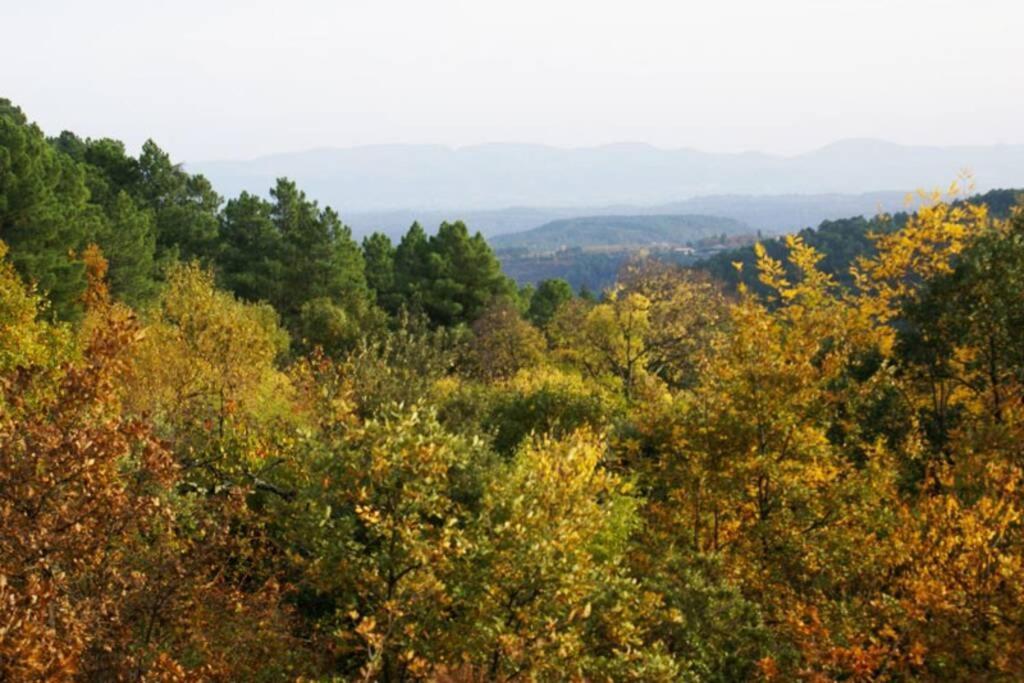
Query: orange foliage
x=80, y=488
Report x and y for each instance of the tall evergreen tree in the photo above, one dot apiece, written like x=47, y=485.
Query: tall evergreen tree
x=321, y=260
x=250, y=259
x=125, y=230
x=451, y=276
x=44, y=216
x=185, y=206
x=128, y=241
x=412, y=256
x=465, y=274
x=109, y=168
x=379, y=255
x=547, y=299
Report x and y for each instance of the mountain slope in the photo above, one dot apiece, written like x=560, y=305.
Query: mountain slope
x=620, y=231
x=770, y=214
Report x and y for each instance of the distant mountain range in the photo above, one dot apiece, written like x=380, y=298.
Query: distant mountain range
x=620, y=232
x=428, y=179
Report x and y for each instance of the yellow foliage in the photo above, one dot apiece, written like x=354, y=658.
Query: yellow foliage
x=924, y=248
x=25, y=340
x=207, y=358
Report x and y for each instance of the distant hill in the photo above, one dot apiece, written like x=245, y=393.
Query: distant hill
x=620, y=231
x=493, y=176
x=771, y=214
x=840, y=241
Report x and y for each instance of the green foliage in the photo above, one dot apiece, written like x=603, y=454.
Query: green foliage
x=320, y=259
x=503, y=343
x=716, y=633
x=185, y=206
x=44, y=217
x=128, y=242
x=402, y=366
x=551, y=537
x=206, y=366
x=323, y=323
x=621, y=231
x=533, y=402
x=25, y=340
x=383, y=528
x=451, y=276
x=379, y=254
x=302, y=260
x=841, y=242
x=250, y=261
x=975, y=306
x=547, y=299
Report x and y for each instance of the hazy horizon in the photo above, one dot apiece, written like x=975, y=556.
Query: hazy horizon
x=605, y=145
x=234, y=80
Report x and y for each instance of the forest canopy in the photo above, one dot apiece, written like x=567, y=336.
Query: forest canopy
x=237, y=445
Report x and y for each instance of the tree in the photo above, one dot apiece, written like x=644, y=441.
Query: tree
x=324, y=324
x=687, y=315
x=960, y=333
x=321, y=261
x=205, y=373
x=403, y=364
x=128, y=241
x=504, y=343
x=124, y=229
x=606, y=340
x=79, y=491
x=379, y=254
x=654, y=324
x=185, y=206
x=547, y=299
x=542, y=400
x=109, y=169
x=26, y=341
x=44, y=217
x=251, y=261
x=412, y=263
x=549, y=597
x=466, y=275
x=382, y=523
x=450, y=276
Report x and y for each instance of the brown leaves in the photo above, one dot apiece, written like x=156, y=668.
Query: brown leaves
x=77, y=485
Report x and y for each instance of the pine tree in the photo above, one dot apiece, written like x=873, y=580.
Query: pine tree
x=546, y=300
x=321, y=261
x=412, y=268
x=185, y=206
x=128, y=242
x=250, y=257
x=379, y=254
x=43, y=211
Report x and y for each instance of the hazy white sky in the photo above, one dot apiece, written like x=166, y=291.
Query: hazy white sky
x=231, y=79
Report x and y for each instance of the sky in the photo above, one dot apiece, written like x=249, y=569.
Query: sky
x=226, y=79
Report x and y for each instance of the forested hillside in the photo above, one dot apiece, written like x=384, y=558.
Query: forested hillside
x=770, y=214
x=589, y=252
x=621, y=231
x=237, y=445
x=596, y=269
x=841, y=243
